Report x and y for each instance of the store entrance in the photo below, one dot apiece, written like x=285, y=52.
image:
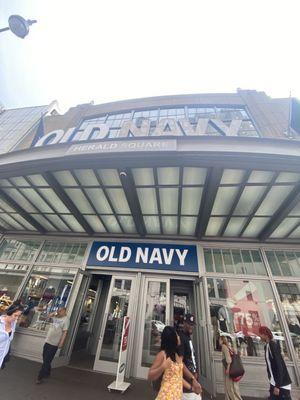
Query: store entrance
x=163, y=302
x=151, y=302
x=90, y=314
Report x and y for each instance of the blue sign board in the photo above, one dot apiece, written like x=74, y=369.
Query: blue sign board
x=154, y=256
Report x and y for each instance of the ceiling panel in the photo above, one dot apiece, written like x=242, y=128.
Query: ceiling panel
x=191, y=200
x=255, y=227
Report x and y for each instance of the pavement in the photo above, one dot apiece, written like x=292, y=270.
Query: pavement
x=17, y=382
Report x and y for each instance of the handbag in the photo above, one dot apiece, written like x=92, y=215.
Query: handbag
x=236, y=370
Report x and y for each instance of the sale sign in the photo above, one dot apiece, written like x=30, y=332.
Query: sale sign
x=123, y=351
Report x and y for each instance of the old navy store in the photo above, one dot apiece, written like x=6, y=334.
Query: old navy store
x=152, y=283
x=152, y=208
x=230, y=290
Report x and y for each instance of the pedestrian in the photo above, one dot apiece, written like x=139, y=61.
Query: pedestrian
x=186, y=350
x=54, y=340
x=232, y=389
x=8, y=323
x=168, y=364
x=280, y=381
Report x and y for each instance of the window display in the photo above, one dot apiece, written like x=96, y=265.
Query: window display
x=11, y=277
x=47, y=289
x=238, y=308
x=290, y=299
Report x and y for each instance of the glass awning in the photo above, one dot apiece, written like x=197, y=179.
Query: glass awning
x=164, y=201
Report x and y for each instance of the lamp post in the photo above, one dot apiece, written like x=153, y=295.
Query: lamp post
x=18, y=25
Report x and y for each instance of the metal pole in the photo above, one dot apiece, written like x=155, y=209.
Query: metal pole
x=4, y=29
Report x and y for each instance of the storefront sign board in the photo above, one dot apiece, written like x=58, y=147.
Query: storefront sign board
x=155, y=256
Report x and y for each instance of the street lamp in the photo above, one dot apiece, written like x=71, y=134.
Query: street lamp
x=18, y=25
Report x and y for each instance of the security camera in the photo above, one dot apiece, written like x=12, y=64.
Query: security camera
x=122, y=173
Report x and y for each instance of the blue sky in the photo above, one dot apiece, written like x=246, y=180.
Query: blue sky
x=112, y=50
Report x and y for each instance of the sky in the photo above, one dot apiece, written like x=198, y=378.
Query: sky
x=109, y=50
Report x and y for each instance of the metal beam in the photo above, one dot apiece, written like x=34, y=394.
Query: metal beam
x=88, y=200
x=155, y=175
x=254, y=211
x=133, y=200
x=179, y=199
x=291, y=231
x=11, y=202
x=104, y=189
x=51, y=180
x=283, y=211
x=210, y=190
x=235, y=202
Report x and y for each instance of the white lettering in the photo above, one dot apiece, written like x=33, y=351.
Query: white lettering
x=129, y=128
x=51, y=138
x=142, y=254
x=111, y=255
x=155, y=256
x=94, y=132
x=189, y=130
x=125, y=254
x=225, y=130
x=102, y=257
x=168, y=256
x=69, y=136
x=181, y=256
x=165, y=127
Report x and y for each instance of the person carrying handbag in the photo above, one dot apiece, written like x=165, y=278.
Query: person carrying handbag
x=231, y=388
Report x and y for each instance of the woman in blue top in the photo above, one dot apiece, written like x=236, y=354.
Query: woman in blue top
x=7, y=329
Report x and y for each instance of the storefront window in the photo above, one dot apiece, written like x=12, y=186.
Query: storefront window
x=23, y=250
x=47, y=289
x=11, y=277
x=290, y=299
x=238, y=308
x=62, y=253
x=245, y=262
x=284, y=263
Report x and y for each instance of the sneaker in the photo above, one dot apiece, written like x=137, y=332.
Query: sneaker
x=39, y=381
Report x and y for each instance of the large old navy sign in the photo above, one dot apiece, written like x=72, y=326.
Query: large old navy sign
x=144, y=255
x=165, y=127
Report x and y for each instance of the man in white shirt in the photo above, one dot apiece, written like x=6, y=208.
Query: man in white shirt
x=55, y=339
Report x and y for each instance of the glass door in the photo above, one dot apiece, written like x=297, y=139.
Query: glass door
x=119, y=304
x=204, y=342
x=155, y=314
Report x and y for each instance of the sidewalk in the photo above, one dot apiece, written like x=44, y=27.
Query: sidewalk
x=17, y=382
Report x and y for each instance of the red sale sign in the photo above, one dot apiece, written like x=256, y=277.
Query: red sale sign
x=125, y=333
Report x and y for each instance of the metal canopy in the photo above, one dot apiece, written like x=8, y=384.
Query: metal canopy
x=210, y=188
x=181, y=201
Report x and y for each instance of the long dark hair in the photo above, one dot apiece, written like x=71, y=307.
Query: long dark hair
x=13, y=308
x=169, y=342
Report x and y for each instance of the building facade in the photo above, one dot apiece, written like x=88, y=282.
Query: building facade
x=152, y=208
